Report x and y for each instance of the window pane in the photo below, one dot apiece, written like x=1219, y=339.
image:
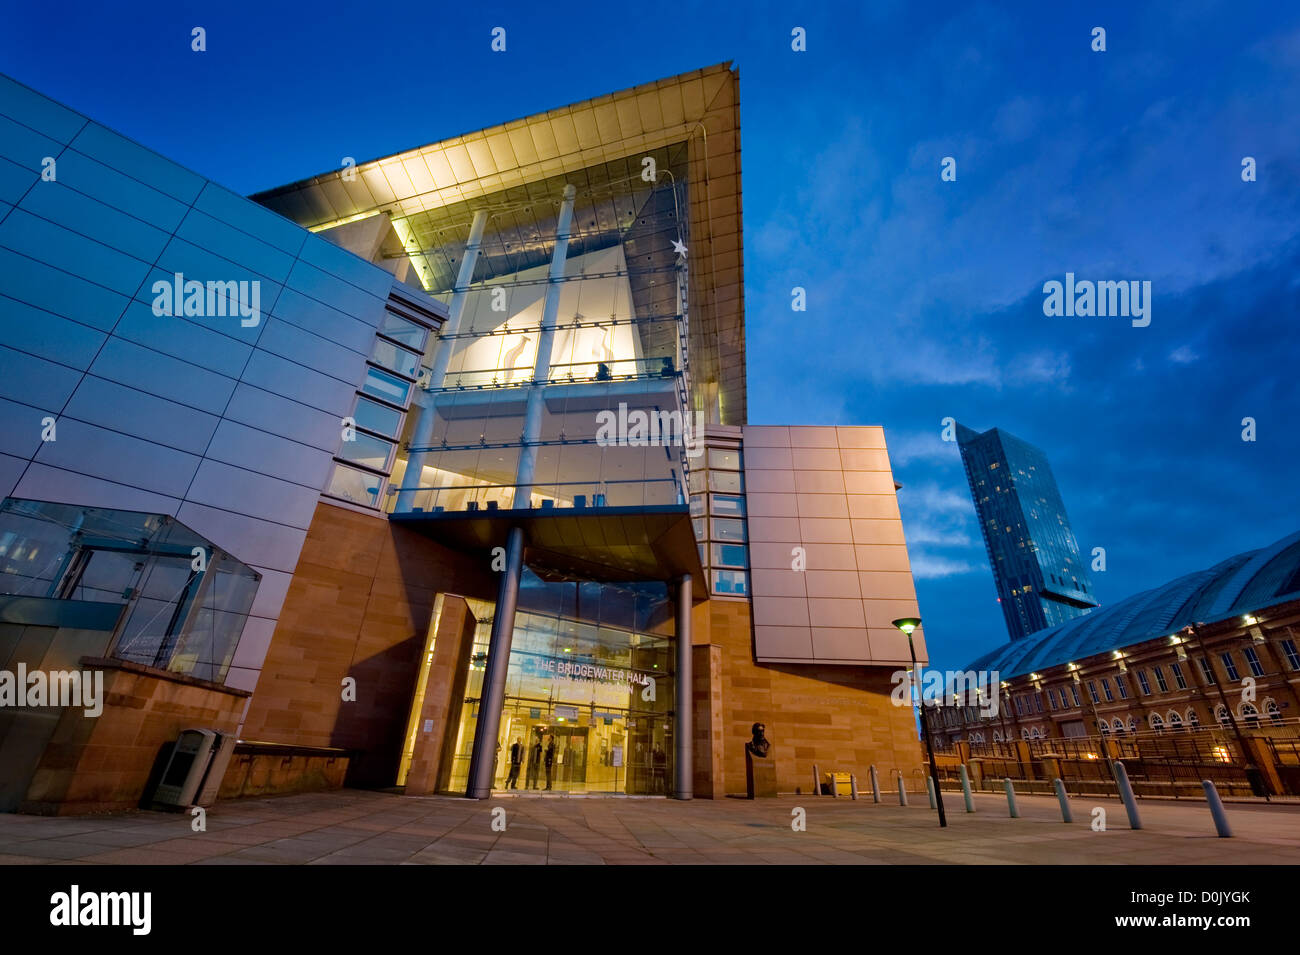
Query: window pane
x=726, y=529
x=727, y=460
x=724, y=481
x=728, y=504
x=408, y=333
x=398, y=359
x=359, y=487
x=386, y=386
x=729, y=555
x=376, y=417
x=368, y=450
x=730, y=582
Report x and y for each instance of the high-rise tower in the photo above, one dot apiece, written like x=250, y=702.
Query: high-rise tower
x=1041, y=578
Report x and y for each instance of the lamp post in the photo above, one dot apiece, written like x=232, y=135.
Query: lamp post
x=1253, y=776
x=907, y=625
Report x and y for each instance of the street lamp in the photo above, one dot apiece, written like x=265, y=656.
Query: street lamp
x=1253, y=775
x=907, y=625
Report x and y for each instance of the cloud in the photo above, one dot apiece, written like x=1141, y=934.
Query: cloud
x=936, y=568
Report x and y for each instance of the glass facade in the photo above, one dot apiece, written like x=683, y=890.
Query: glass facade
x=1040, y=576
x=614, y=368
x=718, y=507
x=589, y=691
x=183, y=601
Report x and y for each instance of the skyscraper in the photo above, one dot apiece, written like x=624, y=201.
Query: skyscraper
x=1041, y=578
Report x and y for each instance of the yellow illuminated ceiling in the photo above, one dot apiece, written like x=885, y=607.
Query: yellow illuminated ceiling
x=701, y=109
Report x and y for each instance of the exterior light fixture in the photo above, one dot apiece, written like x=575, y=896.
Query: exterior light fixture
x=907, y=625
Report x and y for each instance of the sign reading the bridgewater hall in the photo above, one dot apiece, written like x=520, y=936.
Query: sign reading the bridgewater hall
x=558, y=668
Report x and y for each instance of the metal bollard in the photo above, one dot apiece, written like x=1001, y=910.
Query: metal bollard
x=817, y=781
x=853, y=785
x=965, y=789
x=929, y=788
x=1216, y=809
x=1126, y=794
x=902, y=792
x=1066, y=814
x=1011, y=798
x=875, y=784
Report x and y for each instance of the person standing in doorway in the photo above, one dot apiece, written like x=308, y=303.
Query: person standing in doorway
x=534, y=762
x=516, y=758
x=550, y=760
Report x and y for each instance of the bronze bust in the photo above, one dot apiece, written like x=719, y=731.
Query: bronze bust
x=758, y=746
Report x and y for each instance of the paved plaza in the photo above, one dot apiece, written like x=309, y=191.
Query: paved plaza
x=369, y=828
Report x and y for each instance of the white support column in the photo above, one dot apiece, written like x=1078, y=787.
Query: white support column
x=545, y=343
x=422, y=434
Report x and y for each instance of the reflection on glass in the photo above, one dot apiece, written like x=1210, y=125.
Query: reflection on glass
x=728, y=529
x=730, y=582
x=396, y=359
x=379, y=418
x=401, y=330
x=588, y=693
x=351, y=484
x=367, y=450
x=386, y=386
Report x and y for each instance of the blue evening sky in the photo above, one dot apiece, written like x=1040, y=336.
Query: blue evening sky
x=924, y=297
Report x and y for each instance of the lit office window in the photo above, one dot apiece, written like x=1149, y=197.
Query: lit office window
x=380, y=384
x=1178, y=676
x=1252, y=661
x=1230, y=665
x=352, y=484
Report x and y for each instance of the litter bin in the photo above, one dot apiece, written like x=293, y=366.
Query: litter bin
x=837, y=784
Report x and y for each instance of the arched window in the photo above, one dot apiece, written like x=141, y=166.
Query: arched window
x=997, y=736
x=1271, y=708
x=1132, y=724
x=1175, y=722
x=1157, y=723
x=1104, y=727
x=1250, y=715
x=1221, y=715
x=1193, y=720
x=1024, y=734
x=1117, y=725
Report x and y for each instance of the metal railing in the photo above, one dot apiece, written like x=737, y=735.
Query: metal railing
x=566, y=495
x=615, y=369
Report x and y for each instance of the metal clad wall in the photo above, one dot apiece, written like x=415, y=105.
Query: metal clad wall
x=230, y=429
